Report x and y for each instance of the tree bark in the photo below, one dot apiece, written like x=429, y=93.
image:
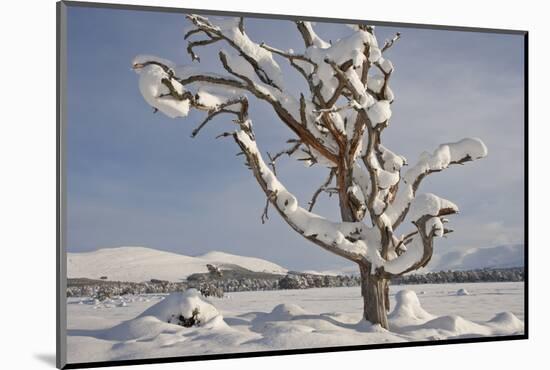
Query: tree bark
x=374, y=289
x=375, y=292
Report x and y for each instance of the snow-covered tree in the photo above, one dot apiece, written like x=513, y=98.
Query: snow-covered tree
x=338, y=124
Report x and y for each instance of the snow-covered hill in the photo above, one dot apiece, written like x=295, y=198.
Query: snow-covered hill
x=502, y=256
x=142, y=264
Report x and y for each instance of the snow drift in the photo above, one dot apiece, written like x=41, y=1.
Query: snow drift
x=286, y=325
x=162, y=317
x=177, y=304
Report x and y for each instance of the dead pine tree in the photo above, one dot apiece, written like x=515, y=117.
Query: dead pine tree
x=337, y=123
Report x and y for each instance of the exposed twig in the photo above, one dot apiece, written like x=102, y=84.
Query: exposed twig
x=270, y=196
x=193, y=44
x=289, y=152
x=204, y=24
x=219, y=109
x=287, y=55
x=389, y=43
x=241, y=24
x=322, y=188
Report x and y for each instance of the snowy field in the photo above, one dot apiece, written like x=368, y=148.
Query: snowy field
x=136, y=326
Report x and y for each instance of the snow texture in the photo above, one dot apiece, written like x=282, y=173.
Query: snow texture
x=379, y=112
x=152, y=90
x=441, y=158
x=338, y=52
x=229, y=27
x=413, y=254
x=429, y=204
x=176, y=304
x=258, y=321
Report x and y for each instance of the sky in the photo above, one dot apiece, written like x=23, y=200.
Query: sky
x=135, y=178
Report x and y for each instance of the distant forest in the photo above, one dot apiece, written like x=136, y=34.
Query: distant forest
x=216, y=284
x=469, y=276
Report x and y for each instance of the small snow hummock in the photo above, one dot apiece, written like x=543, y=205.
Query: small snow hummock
x=408, y=309
x=462, y=291
x=284, y=312
x=182, y=304
x=293, y=324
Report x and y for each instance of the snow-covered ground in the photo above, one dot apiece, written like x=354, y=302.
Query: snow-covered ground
x=136, y=326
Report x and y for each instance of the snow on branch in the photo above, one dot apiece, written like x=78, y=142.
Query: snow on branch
x=309, y=36
x=231, y=30
x=428, y=218
x=347, y=239
x=389, y=43
x=339, y=125
x=460, y=152
x=169, y=89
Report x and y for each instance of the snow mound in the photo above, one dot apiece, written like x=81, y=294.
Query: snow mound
x=457, y=326
x=506, y=322
x=408, y=310
x=409, y=318
x=160, y=320
x=176, y=304
x=140, y=328
x=284, y=311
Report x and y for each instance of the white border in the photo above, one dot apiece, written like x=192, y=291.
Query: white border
x=27, y=186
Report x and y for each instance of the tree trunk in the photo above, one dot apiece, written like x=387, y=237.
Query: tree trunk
x=375, y=292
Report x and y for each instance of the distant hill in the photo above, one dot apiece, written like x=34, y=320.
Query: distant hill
x=503, y=256
x=137, y=264
x=499, y=257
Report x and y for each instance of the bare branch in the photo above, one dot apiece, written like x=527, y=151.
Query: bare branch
x=192, y=32
x=288, y=152
x=224, y=134
x=241, y=24
x=204, y=24
x=389, y=43
x=210, y=116
x=220, y=109
x=270, y=196
x=193, y=44
x=322, y=188
x=293, y=58
x=337, y=93
x=306, y=35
